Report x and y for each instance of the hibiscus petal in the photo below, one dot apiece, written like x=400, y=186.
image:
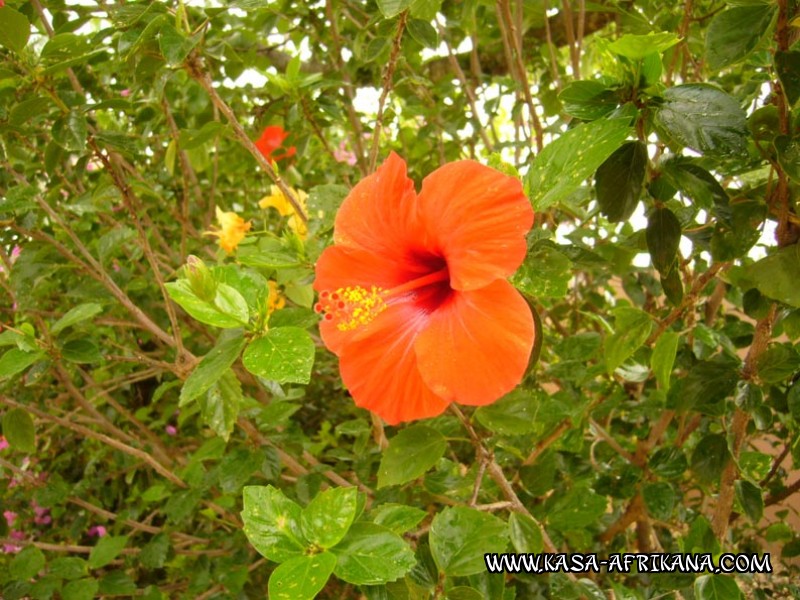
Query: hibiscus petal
x=380, y=214
x=478, y=217
x=475, y=348
x=379, y=367
x=341, y=267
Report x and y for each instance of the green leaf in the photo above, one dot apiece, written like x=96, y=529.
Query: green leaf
x=663, y=358
x=372, y=555
x=284, y=354
x=777, y=363
x=545, y=273
x=775, y=276
x=75, y=315
x=302, y=577
x=709, y=457
x=29, y=561
x=716, y=587
x=272, y=523
x=669, y=463
x=28, y=109
x=107, y=549
x=70, y=131
x=577, y=509
x=15, y=361
x=704, y=118
x=392, y=8
x=328, y=516
x=410, y=453
x=749, y=497
x=398, y=517
x=787, y=65
x=423, y=32
x=566, y=162
x=212, y=367
x=175, y=46
x=659, y=499
x=526, y=534
x=15, y=30
x=707, y=383
x=636, y=47
x=513, y=414
x=789, y=156
x=80, y=589
x=228, y=310
x=220, y=406
x=154, y=553
x=323, y=202
x=619, y=181
x=734, y=33
x=460, y=536
x=588, y=100
x=663, y=238
x=82, y=350
x=68, y=567
x=631, y=329
x=19, y=430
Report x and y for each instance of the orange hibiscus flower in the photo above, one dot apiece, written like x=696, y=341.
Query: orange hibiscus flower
x=414, y=290
x=271, y=140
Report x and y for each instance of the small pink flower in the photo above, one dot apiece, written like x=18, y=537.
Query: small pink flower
x=13, y=548
x=171, y=430
x=343, y=155
x=96, y=530
x=15, y=252
x=125, y=93
x=10, y=516
x=3, y=442
x=42, y=514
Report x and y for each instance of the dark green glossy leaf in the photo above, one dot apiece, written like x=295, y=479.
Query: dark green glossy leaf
x=82, y=350
x=545, y=273
x=709, y=457
x=460, y=536
x=734, y=33
x=669, y=463
x=776, y=275
x=397, y=517
x=410, y=453
x=619, y=181
x=704, y=118
x=663, y=238
x=371, y=555
x=28, y=562
x=75, y=315
x=659, y=498
x=787, y=65
x=392, y=8
x=576, y=509
x=789, y=156
x=748, y=495
x=423, y=32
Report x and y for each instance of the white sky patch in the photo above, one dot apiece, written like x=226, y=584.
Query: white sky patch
x=249, y=77
x=366, y=101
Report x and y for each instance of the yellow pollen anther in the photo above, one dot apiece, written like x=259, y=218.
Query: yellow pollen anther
x=351, y=307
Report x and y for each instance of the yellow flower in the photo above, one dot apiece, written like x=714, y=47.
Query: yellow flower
x=232, y=229
x=279, y=202
x=276, y=299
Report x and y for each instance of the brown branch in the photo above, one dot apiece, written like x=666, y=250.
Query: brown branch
x=388, y=76
x=85, y=431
